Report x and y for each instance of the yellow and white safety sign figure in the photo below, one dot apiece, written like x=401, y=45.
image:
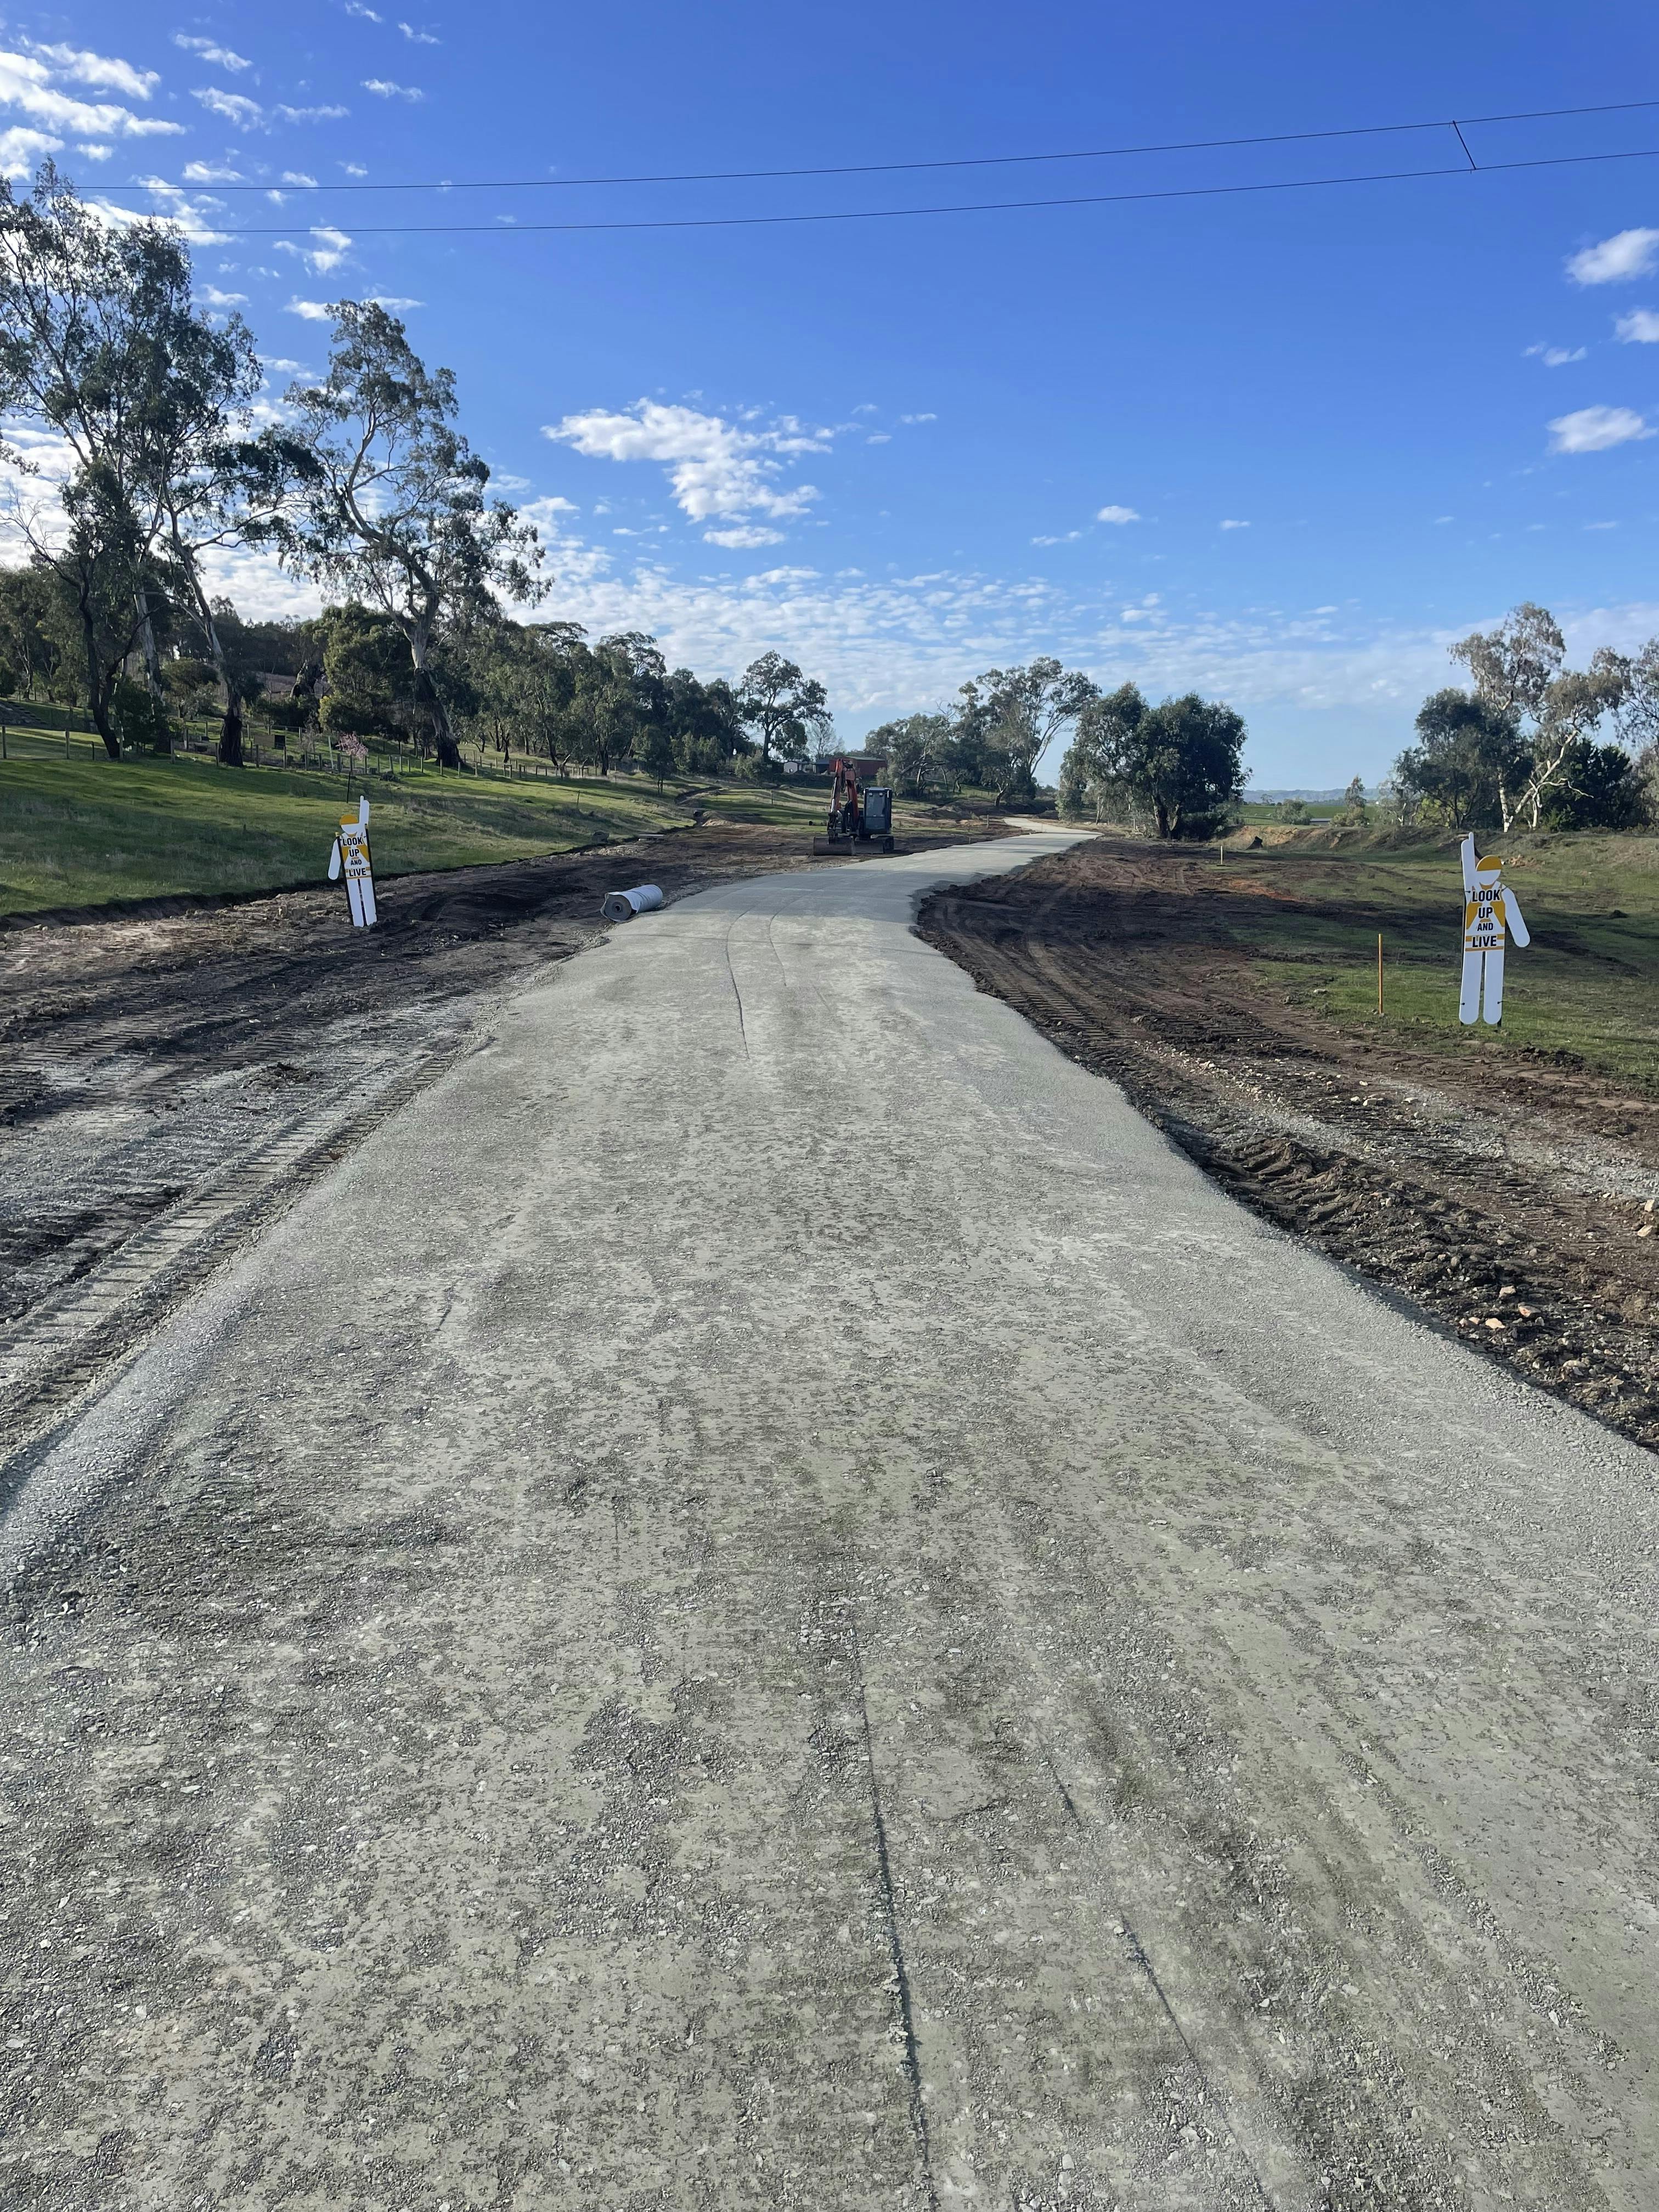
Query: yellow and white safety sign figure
x=350, y=857
x=1490, y=911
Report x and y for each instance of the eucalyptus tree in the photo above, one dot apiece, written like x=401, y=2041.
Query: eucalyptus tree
x=135, y=401
x=703, y=719
x=782, y=706
x=33, y=643
x=215, y=486
x=386, y=501
x=621, y=696
x=527, y=676
x=1637, y=712
x=78, y=371
x=917, y=749
x=1009, y=716
x=1178, y=766
x=1518, y=671
x=1639, y=723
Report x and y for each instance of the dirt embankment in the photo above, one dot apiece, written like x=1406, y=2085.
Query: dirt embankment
x=168, y=1079
x=1514, y=1201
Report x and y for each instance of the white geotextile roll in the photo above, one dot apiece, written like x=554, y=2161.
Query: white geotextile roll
x=622, y=906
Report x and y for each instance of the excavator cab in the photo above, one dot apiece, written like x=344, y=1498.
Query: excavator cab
x=861, y=815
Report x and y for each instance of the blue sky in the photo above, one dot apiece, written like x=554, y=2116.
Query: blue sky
x=1276, y=446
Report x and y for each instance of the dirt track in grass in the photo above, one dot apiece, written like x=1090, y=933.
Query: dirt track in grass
x=1508, y=1196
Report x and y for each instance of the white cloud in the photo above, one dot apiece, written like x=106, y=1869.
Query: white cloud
x=1232, y=523
x=1117, y=514
x=1555, y=356
x=27, y=82
x=354, y=168
x=1640, y=327
x=743, y=536
x=196, y=218
x=918, y=419
x=309, y=114
x=394, y=304
x=103, y=70
x=718, y=470
x=21, y=151
x=879, y=437
x=1601, y=525
x=1627, y=253
x=331, y=249
x=383, y=87
x=887, y=646
x=356, y=8
x=233, y=107
x=210, y=173
x=1066, y=538
x=217, y=57
x=1594, y=430
x=213, y=297
x=30, y=505
x=311, y=311
x=95, y=153
x=419, y=38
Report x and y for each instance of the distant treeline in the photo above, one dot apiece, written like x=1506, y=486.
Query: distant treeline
x=1177, y=767
x=529, y=687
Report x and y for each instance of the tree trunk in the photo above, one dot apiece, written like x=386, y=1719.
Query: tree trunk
x=230, y=728
x=97, y=690
x=230, y=736
x=426, y=695
x=152, y=658
x=1541, y=778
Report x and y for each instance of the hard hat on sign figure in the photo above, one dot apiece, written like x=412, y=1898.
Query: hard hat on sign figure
x=350, y=856
x=1489, y=911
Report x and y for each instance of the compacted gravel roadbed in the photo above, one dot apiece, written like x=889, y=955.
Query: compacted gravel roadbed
x=768, y=1600
x=171, y=1077
x=1514, y=1201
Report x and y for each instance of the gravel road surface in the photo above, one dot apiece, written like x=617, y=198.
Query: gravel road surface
x=768, y=1600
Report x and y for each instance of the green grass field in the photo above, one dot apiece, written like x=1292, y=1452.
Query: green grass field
x=77, y=829
x=84, y=830
x=1588, y=986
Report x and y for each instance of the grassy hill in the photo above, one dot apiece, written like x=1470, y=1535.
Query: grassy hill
x=81, y=830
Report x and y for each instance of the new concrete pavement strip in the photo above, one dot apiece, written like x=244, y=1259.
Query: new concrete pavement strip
x=767, y=1600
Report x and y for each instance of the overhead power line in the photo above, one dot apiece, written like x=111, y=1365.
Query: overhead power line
x=514, y=229
x=1456, y=125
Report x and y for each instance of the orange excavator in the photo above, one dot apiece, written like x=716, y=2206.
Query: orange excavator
x=860, y=814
